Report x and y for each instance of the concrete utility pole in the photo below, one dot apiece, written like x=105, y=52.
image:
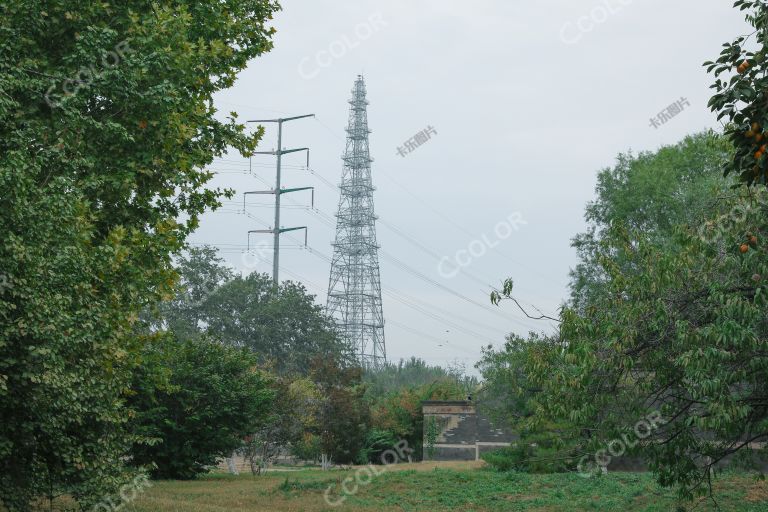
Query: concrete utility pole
x=278, y=191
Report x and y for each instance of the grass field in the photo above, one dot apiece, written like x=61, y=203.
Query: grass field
x=441, y=487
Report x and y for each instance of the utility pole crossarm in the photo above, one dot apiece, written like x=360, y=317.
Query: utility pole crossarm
x=283, y=152
x=298, y=189
x=280, y=120
x=285, y=230
x=286, y=151
x=278, y=190
x=277, y=232
x=256, y=192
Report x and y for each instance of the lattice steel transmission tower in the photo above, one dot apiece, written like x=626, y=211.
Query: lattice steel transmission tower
x=354, y=289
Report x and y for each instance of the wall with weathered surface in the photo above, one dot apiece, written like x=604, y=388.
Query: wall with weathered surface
x=462, y=432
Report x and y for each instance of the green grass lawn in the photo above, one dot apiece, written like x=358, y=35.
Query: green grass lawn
x=439, y=489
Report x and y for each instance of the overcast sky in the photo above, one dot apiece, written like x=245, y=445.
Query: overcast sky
x=528, y=99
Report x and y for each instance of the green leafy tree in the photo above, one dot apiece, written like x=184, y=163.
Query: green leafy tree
x=414, y=372
x=376, y=443
x=651, y=194
x=399, y=411
x=293, y=413
x=212, y=398
x=106, y=125
x=678, y=336
x=740, y=95
x=507, y=388
x=308, y=448
x=395, y=392
x=284, y=325
x=201, y=271
x=343, y=417
x=509, y=397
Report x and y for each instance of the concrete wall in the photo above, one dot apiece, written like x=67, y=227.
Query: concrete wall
x=465, y=434
x=462, y=432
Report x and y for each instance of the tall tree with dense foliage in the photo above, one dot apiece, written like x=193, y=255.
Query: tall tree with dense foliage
x=343, y=417
x=106, y=125
x=651, y=194
x=195, y=401
x=678, y=333
x=201, y=271
x=283, y=326
x=685, y=336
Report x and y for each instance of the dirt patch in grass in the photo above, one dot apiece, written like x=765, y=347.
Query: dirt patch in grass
x=456, y=465
x=520, y=497
x=758, y=492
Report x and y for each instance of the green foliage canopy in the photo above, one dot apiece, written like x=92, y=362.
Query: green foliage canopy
x=283, y=325
x=681, y=333
x=212, y=397
x=106, y=125
x=650, y=194
x=741, y=99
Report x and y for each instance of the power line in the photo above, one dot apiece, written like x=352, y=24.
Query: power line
x=437, y=212
x=329, y=221
x=394, y=294
x=397, y=295
x=325, y=218
x=439, y=318
x=442, y=311
x=403, y=326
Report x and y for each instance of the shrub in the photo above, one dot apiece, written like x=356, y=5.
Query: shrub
x=211, y=398
x=376, y=443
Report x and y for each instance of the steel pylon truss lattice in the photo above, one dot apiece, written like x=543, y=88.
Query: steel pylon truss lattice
x=354, y=289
